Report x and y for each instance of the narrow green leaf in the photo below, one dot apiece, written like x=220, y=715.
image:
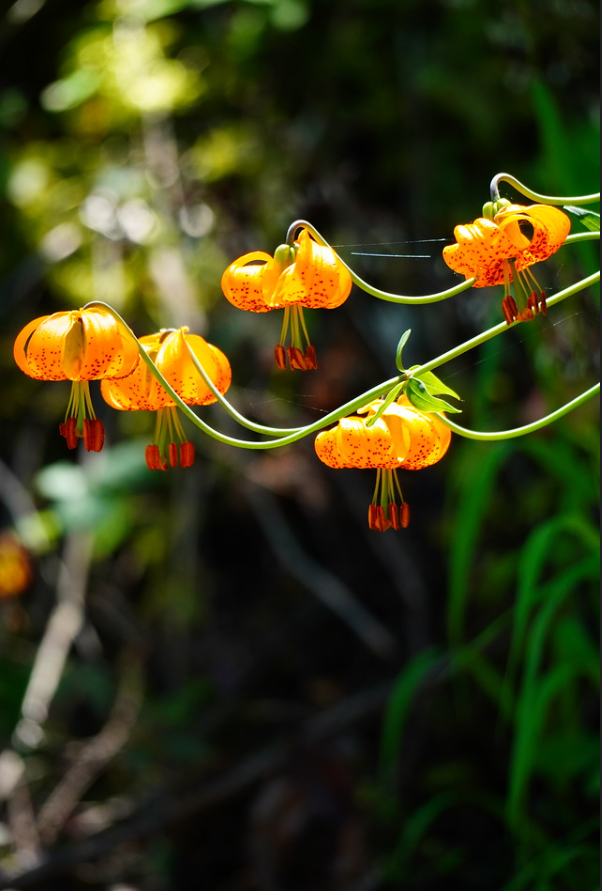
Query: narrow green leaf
x=535, y=554
x=483, y=465
x=404, y=691
x=402, y=342
x=538, y=690
x=389, y=398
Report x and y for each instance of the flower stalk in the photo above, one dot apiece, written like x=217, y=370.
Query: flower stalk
x=288, y=436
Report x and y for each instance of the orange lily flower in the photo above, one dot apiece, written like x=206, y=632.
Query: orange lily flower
x=141, y=391
x=401, y=438
x=15, y=566
x=304, y=275
x=80, y=346
x=499, y=250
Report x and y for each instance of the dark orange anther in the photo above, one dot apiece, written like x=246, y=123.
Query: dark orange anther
x=506, y=311
x=310, y=358
x=280, y=355
x=186, y=454
x=404, y=515
x=377, y=519
x=173, y=454
x=94, y=435
x=153, y=458
x=297, y=359
x=512, y=306
x=394, y=515
x=542, y=302
x=69, y=431
x=532, y=302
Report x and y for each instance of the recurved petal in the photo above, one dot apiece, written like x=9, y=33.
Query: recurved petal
x=176, y=363
x=550, y=227
x=326, y=281
x=21, y=347
x=223, y=377
x=556, y=223
x=480, y=252
x=243, y=282
x=44, y=345
x=95, y=347
x=139, y=390
x=290, y=289
x=429, y=437
x=326, y=450
x=365, y=447
x=127, y=355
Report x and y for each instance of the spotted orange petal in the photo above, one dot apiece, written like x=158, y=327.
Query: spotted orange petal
x=318, y=272
x=480, y=252
x=429, y=437
x=550, y=229
x=243, y=282
x=352, y=444
x=175, y=362
x=139, y=390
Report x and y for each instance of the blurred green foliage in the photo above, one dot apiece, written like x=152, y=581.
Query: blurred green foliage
x=144, y=144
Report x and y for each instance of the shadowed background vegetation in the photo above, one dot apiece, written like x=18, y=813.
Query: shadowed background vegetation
x=218, y=678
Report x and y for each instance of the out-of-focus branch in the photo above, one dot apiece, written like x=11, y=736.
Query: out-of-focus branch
x=168, y=807
x=316, y=578
x=93, y=757
x=64, y=624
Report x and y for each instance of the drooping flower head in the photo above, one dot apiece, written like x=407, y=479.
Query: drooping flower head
x=170, y=350
x=401, y=438
x=501, y=250
x=304, y=275
x=80, y=346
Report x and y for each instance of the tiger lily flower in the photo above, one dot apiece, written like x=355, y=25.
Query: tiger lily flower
x=501, y=250
x=304, y=275
x=141, y=391
x=80, y=346
x=402, y=438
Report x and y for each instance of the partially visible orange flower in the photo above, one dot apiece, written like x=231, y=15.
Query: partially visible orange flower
x=304, y=275
x=501, y=250
x=15, y=566
x=141, y=391
x=401, y=438
x=80, y=346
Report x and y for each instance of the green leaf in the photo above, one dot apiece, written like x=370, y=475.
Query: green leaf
x=405, y=688
x=418, y=394
x=473, y=501
x=589, y=218
x=434, y=385
x=402, y=342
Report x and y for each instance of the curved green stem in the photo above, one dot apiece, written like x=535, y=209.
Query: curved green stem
x=229, y=408
x=526, y=428
x=370, y=289
x=535, y=196
x=503, y=326
x=294, y=434
x=581, y=236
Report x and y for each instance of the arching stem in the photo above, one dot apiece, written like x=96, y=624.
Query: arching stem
x=535, y=196
x=370, y=289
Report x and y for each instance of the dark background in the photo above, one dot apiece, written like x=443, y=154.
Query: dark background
x=258, y=693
